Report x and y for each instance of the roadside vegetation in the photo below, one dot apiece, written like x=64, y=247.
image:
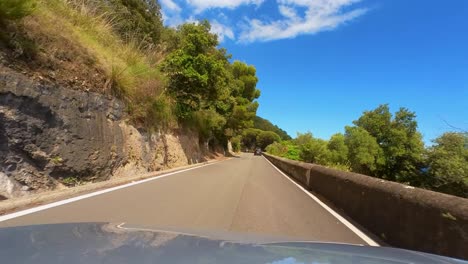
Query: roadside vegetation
x=179, y=78
x=389, y=147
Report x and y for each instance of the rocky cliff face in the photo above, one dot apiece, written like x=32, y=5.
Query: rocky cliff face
x=51, y=136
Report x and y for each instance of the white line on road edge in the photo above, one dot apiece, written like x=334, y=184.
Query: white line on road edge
x=345, y=222
x=85, y=196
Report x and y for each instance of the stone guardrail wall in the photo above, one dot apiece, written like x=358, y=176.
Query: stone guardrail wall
x=401, y=215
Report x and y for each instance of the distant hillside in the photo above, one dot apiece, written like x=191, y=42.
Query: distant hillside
x=264, y=124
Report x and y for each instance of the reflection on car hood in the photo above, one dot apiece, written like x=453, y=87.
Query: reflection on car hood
x=109, y=243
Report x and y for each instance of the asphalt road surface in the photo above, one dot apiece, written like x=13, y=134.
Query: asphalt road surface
x=244, y=196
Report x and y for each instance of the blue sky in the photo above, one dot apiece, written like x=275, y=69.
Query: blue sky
x=321, y=63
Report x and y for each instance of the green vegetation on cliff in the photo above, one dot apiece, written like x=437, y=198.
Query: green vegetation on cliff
x=15, y=9
x=168, y=78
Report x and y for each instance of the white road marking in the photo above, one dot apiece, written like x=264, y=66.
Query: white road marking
x=345, y=222
x=89, y=195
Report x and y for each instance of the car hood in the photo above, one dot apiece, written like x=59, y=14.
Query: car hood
x=116, y=243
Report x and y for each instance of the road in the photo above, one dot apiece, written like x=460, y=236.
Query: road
x=244, y=195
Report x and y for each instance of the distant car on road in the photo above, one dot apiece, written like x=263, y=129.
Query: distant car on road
x=258, y=152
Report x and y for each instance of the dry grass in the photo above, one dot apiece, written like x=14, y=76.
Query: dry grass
x=79, y=48
x=127, y=64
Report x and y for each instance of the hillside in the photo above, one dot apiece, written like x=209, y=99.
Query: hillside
x=264, y=124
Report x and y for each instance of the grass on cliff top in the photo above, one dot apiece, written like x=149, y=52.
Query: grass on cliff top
x=126, y=64
x=129, y=66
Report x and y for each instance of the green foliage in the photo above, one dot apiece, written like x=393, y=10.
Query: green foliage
x=13, y=34
x=247, y=81
x=447, y=162
x=242, y=115
x=312, y=150
x=71, y=181
x=56, y=160
x=376, y=122
x=265, y=138
x=286, y=149
x=266, y=125
x=338, y=149
x=132, y=20
x=249, y=138
x=236, y=143
x=22, y=46
x=129, y=63
x=201, y=79
x=400, y=142
x=197, y=71
x=16, y=9
x=139, y=17
x=385, y=146
x=161, y=113
x=364, y=153
x=207, y=122
x=242, y=84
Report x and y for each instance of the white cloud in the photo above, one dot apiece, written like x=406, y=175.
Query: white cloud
x=201, y=5
x=170, y=5
x=172, y=19
x=221, y=30
x=222, y=16
x=288, y=12
x=319, y=15
x=171, y=13
x=297, y=17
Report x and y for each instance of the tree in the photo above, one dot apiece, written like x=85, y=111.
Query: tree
x=197, y=71
x=399, y=141
x=448, y=164
x=266, y=138
x=312, y=150
x=247, y=80
x=376, y=122
x=249, y=137
x=201, y=78
x=243, y=83
x=303, y=138
x=236, y=143
x=338, y=149
x=242, y=115
x=208, y=122
x=364, y=153
x=404, y=149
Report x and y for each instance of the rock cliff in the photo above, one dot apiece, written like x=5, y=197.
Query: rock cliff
x=52, y=136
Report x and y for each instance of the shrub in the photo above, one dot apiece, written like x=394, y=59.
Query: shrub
x=266, y=138
x=285, y=149
x=236, y=143
x=71, y=181
x=161, y=114
x=16, y=9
